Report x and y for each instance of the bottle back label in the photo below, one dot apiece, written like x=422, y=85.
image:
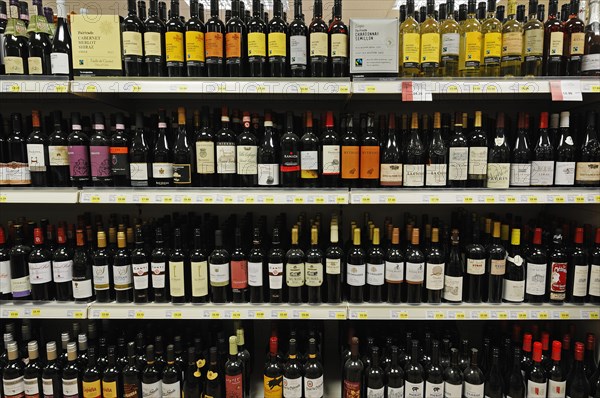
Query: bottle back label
x=294, y=275
x=292, y=387
x=59, y=63
x=536, y=279
x=369, y=162
x=458, y=161
x=356, y=274
x=595, y=280
x=79, y=161
x=277, y=44
x=557, y=389
x=430, y=50
x=257, y=45
x=255, y=273
x=580, y=280
x=350, y=162
x=352, y=389
x=194, y=46
x=415, y=272
x=273, y=386
x=5, y=277
x=375, y=392
x=536, y=390
x=564, y=173
x=298, y=57
x=140, y=275
x=199, y=278
x=275, y=275
x=132, y=44
x=410, y=50
x=558, y=281
x=375, y=274
x=176, y=278
x=153, y=44
x=213, y=45
x=239, y=274
x=587, y=172
x=110, y=389
x=70, y=388
x=205, y=157
x=434, y=277
x=219, y=274
x=520, y=174
x=453, y=286
x=319, y=43
x=314, y=274
x=542, y=172
x=452, y=390
x=433, y=390
x=313, y=388
x=414, y=390
x=58, y=155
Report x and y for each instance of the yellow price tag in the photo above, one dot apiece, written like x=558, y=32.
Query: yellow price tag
x=340, y=315
x=391, y=199
x=139, y=315
x=484, y=315
x=502, y=315
x=403, y=315
x=523, y=88
x=60, y=89
x=91, y=88
x=145, y=199
x=365, y=199
x=14, y=88
x=542, y=315
x=228, y=199
x=36, y=312
x=261, y=89
x=182, y=88
x=298, y=199
x=269, y=199
x=565, y=315
x=282, y=315
x=511, y=199
x=559, y=199
x=597, y=198
x=136, y=89
x=344, y=90
x=236, y=315
x=434, y=199
x=596, y=88
x=78, y=314
x=438, y=315
x=490, y=88
x=370, y=89
x=208, y=199
x=305, y=315
x=187, y=199
x=579, y=199
x=490, y=199
x=177, y=315
x=477, y=88
x=215, y=315
x=460, y=315
x=522, y=315
x=13, y=314
x=468, y=199
x=168, y=199
x=95, y=199
x=121, y=199
x=104, y=315
x=3, y=198
x=259, y=314
x=319, y=200
x=363, y=315
x=249, y=199
x=452, y=89
x=304, y=89
x=340, y=200
x=594, y=315
x=532, y=199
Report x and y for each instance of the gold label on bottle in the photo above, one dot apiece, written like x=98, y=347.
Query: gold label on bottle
x=318, y=44
x=277, y=44
x=153, y=44
x=556, y=43
x=132, y=43
x=257, y=46
x=512, y=43
x=174, y=46
x=587, y=171
x=577, y=43
x=35, y=65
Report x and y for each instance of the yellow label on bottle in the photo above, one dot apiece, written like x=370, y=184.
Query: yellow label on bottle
x=472, y=47
x=35, y=65
x=132, y=43
x=257, y=44
x=410, y=48
x=194, y=46
x=577, y=43
x=512, y=44
x=92, y=389
x=13, y=65
x=534, y=42
x=339, y=45
x=318, y=44
x=174, y=46
x=556, y=43
x=273, y=386
x=153, y=44
x=277, y=44
x=109, y=390
x=430, y=48
x=492, y=45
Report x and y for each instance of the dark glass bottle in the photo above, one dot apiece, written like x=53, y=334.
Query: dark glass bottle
x=140, y=269
x=60, y=56
x=277, y=41
x=554, y=60
x=437, y=156
x=268, y=156
x=536, y=377
x=594, y=288
x=434, y=378
x=151, y=376
x=192, y=384
x=82, y=272
x=369, y=155
x=290, y=156
x=205, y=152
x=334, y=257
x=352, y=374
x=111, y=377
x=234, y=373
x=37, y=153
x=526, y=359
x=257, y=43
x=225, y=140
x=578, y=270
x=338, y=42
x=256, y=269
x=244, y=356
x=542, y=161
x=162, y=162
x=499, y=157
x=32, y=373
x=132, y=32
x=495, y=266
x=535, y=285
x=58, y=158
x=313, y=372
x=78, y=153
x=292, y=372
x=100, y=154
x=51, y=373
x=275, y=258
x=458, y=155
x=91, y=376
x=350, y=155
x=413, y=372
x=15, y=43
x=171, y=375
x=394, y=270
x=219, y=270
x=356, y=269
x=574, y=41
x=179, y=270
x=475, y=265
x=318, y=42
x=391, y=157
x=295, y=270
x=375, y=376
x=473, y=376
x=175, y=43
x=40, y=269
x=130, y=375
x=415, y=269
x=298, y=37
x=101, y=264
x=314, y=268
x=434, y=269
x=514, y=278
x=235, y=43
x=121, y=271
x=158, y=268
x=239, y=271
x=140, y=166
x=453, y=278
x=557, y=378
x=309, y=155
x=494, y=382
x=565, y=154
x=182, y=154
x=194, y=42
x=247, y=155
x=199, y=270
x=214, y=42
x=62, y=268
x=520, y=167
x=414, y=157
x=154, y=42
x=119, y=154
x=577, y=383
x=39, y=44
x=453, y=376
x=478, y=148
x=273, y=373
x=19, y=270
x=587, y=157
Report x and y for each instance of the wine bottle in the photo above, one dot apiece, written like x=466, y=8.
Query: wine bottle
x=565, y=154
x=495, y=266
x=37, y=153
x=32, y=380
x=352, y=372
x=394, y=269
x=542, y=162
x=414, y=380
x=179, y=270
x=391, y=158
x=111, y=377
x=199, y=270
x=205, y=151
x=182, y=153
x=58, y=158
x=154, y=42
x=51, y=372
x=60, y=55
x=290, y=171
x=520, y=167
x=374, y=376
x=119, y=154
x=535, y=286
x=257, y=43
x=578, y=270
x=478, y=154
x=277, y=42
x=292, y=372
x=309, y=155
x=350, y=155
x=295, y=270
x=214, y=42
x=140, y=269
x=430, y=43
x=338, y=42
x=225, y=153
x=82, y=272
x=587, y=168
x=192, y=384
x=158, y=268
x=235, y=43
x=589, y=360
x=473, y=377
x=234, y=372
x=100, y=154
x=577, y=384
x=436, y=169
x=5, y=265
x=369, y=155
x=275, y=258
x=313, y=371
x=132, y=32
x=434, y=380
x=239, y=270
x=527, y=358
x=121, y=271
x=574, y=40
x=131, y=384
x=453, y=377
x=415, y=269
x=171, y=375
x=594, y=288
x=476, y=258
x=71, y=380
x=20, y=284
x=557, y=379
x=162, y=163
x=376, y=270
x=356, y=269
x=17, y=169
x=298, y=37
x=151, y=377
x=92, y=376
x=554, y=36
x=40, y=269
x=329, y=156
x=319, y=42
x=536, y=380
x=62, y=268
x=268, y=156
x=195, y=60
x=314, y=268
x=589, y=61
x=219, y=266
x=414, y=161
x=514, y=279
x=101, y=260
x=247, y=155
x=499, y=167
x=533, y=43
x=256, y=268
x=458, y=156
x=566, y=354
x=273, y=373
x=140, y=167
x=434, y=269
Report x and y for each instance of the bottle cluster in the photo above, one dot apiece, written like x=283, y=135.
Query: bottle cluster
x=446, y=364
x=198, y=259
x=151, y=365
x=240, y=149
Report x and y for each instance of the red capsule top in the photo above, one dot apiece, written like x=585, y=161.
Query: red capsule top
x=537, y=236
x=273, y=345
x=590, y=342
x=578, y=235
x=61, y=239
x=556, y=350
x=527, y=342
x=38, y=237
x=566, y=342
x=2, y=236
x=579, y=349
x=597, y=240
x=545, y=341
x=537, y=352
x=544, y=120
x=329, y=119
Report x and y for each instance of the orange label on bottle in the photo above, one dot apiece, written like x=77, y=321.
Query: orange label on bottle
x=174, y=46
x=233, y=45
x=369, y=162
x=194, y=46
x=92, y=389
x=350, y=162
x=214, y=44
x=273, y=386
x=109, y=390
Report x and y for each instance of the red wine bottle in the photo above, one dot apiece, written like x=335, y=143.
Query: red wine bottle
x=578, y=269
x=234, y=372
x=414, y=157
x=434, y=379
x=577, y=383
x=475, y=255
x=40, y=269
x=394, y=269
x=179, y=271
x=290, y=155
x=415, y=269
x=414, y=378
x=199, y=270
x=557, y=378
x=132, y=32
x=239, y=271
x=535, y=286
x=375, y=270
x=162, y=162
x=515, y=383
x=121, y=271
x=356, y=270
x=277, y=42
x=140, y=269
x=219, y=263
x=82, y=272
x=273, y=373
x=458, y=155
x=314, y=268
x=542, y=161
x=453, y=376
x=536, y=379
x=496, y=266
x=594, y=288
x=589, y=362
x=334, y=256
x=338, y=42
x=295, y=270
x=158, y=268
x=298, y=43
x=526, y=359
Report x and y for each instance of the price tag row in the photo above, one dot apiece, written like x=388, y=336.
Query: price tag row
x=475, y=199
x=215, y=199
x=213, y=314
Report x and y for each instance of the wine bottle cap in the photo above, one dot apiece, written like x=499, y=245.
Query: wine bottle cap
x=564, y=119
x=415, y=236
x=504, y=234
x=273, y=345
x=545, y=341
x=537, y=236
x=329, y=120
x=414, y=124
x=566, y=342
x=435, y=235
x=38, y=237
x=51, y=351
x=233, y=348
x=537, y=351
x=35, y=119
x=309, y=120
x=437, y=120
x=527, y=342
x=181, y=116
x=121, y=241
x=578, y=236
x=79, y=236
x=544, y=120
x=556, y=350
x=590, y=342
x=579, y=351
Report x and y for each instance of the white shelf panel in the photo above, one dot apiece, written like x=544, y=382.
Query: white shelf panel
x=122, y=85
x=223, y=196
x=468, y=311
x=216, y=311
x=42, y=310
x=475, y=196
x=39, y=195
x=9, y=84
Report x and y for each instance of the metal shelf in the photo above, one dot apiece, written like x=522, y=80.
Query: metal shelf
x=43, y=310
x=39, y=195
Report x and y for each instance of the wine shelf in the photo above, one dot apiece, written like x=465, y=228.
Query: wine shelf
x=39, y=195
x=43, y=310
x=34, y=85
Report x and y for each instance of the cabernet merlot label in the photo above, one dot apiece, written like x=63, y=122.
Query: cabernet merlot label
x=255, y=273
x=292, y=387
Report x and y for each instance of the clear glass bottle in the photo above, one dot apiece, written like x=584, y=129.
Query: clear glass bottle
x=533, y=43
x=450, y=38
x=470, y=44
x=512, y=43
x=491, y=29
x=410, y=46
x=430, y=43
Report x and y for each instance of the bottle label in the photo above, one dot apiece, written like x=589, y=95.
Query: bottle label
x=459, y=161
x=31, y=387
x=294, y=275
x=520, y=174
x=247, y=160
x=162, y=170
x=194, y=46
x=577, y=43
x=82, y=289
x=205, y=157
x=255, y=273
x=558, y=281
x=536, y=390
x=292, y=387
x=131, y=391
x=132, y=44
x=233, y=45
x=152, y=390
x=176, y=278
x=158, y=275
x=415, y=272
x=542, y=172
x=277, y=44
x=99, y=158
x=226, y=161
x=339, y=45
x=313, y=388
x=375, y=392
x=275, y=275
x=182, y=174
x=79, y=161
x=138, y=171
x=309, y=164
x=478, y=160
x=173, y=390
x=70, y=388
x=356, y=274
x=199, y=278
x=257, y=46
x=436, y=175
x=410, y=50
x=233, y=387
x=414, y=390
x=391, y=174
x=109, y=390
x=452, y=390
x=58, y=155
x=213, y=44
x=472, y=49
x=59, y=63
x=536, y=279
x=595, y=280
x=590, y=63
x=314, y=274
x=333, y=266
x=453, y=286
x=319, y=44
x=492, y=48
x=498, y=175
x=497, y=267
x=273, y=386
x=17, y=173
x=5, y=277
x=435, y=276
x=580, y=280
x=434, y=390
x=556, y=44
x=475, y=266
x=153, y=44
x=350, y=162
x=414, y=175
x=13, y=65
x=394, y=392
x=512, y=45
x=20, y=287
x=587, y=172
x=290, y=162
x=533, y=45
x=450, y=46
x=298, y=51
x=48, y=388
x=375, y=274
x=268, y=174
x=239, y=274
x=119, y=161
x=430, y=50
x=557, y=389
x=369, y=162
x=40, y=272
x=140, y=276
x=473, y=390
x=122, y=277
x=394, y=272
x=219, y=274
x=352, y=389
x=35, y=155
x=565, y=173
x=331, y=159
x=513, y=291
